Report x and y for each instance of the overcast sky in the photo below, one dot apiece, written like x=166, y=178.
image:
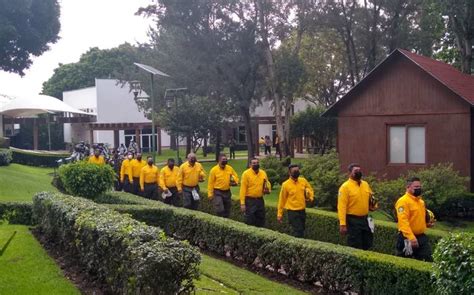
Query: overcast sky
x=84, y=24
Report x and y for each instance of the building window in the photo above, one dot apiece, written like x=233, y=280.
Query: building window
x=407, y=144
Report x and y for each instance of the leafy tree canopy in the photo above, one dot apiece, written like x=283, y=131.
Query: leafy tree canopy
x=27, y=28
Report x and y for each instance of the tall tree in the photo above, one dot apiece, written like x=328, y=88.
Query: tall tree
x=461, y=23
x=95, y=63
x=27, y=28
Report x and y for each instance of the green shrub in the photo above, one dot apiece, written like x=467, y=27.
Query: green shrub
x=460, y=206
x=323, y=172
x=5, y=157
x=38, y=159
x=128, y=256
x=337, y=268
x=86, y=180
x=454, y=265
x=16, y=212
x=320, y=225
x=387, y=192
x=280, y=167
x=440, y=183
x=273, y=177
x=4, y=142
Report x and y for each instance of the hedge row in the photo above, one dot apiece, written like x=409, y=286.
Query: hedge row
x=320, y=225
x=5, y=157
x=36, y=159
x=16, y=212
x=127, y=255
x=335, y=267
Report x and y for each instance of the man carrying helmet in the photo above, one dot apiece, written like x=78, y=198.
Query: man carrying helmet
x=413, y=219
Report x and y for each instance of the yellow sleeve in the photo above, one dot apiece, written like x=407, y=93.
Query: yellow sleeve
x=210, y=184
x=309, y=190
x=157, y=176
x=282, y=201
x=342, y=200
x=403, y=220
x=269, y=185
x=179, y=181
x=202, y=173
x=236, y=177
x=163, y=179
x=142, y=178
x=243, y=188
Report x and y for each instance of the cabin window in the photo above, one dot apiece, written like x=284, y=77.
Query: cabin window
x=407, y=144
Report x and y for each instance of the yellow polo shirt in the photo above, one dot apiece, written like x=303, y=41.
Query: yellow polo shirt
x=252, y=184
x=149, y=174
x=353, y=199
x=126, y=169
x=100, y=160
x=220, y=179
x=189, y=175
x=137, y=167
x=168, y=177
x=411, y=213
x=293, y=195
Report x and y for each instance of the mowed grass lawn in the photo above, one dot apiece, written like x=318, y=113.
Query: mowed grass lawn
x=26, y=268
x=20, y=182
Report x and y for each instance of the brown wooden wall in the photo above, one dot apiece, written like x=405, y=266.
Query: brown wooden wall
x=401, y=93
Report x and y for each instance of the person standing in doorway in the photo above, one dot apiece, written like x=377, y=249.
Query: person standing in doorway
x=294, y=194
x=268, y=145
x=189, y=176
x=221, y=178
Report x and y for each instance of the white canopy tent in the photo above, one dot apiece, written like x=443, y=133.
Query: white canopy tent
x=31, y=106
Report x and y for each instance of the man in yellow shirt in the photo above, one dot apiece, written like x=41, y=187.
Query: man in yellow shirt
x=412, y=223
x=189, y=176
x=353, y=209
x=126, y=177
x=97, y=158
x=254, y=185
x=169, y=182
x=137, y=164
x=221, y=178
x=293, y=196
x=149, y=180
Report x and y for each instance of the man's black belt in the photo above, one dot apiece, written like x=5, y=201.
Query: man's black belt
x=356, y=216
x=223, y=191
x=150, y=183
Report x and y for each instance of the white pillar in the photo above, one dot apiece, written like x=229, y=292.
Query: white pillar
x=1, y=125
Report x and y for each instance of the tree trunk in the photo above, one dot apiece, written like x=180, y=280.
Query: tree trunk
x=204, y=149
x=218, y=144
x=188, y=144
x=245, y=112
x=270, y=71
x=288, y=150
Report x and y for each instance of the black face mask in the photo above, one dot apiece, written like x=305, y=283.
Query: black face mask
x=223, y=163
x=417, y=192
x=139, y=158
x=150, y=163
x=295, y=174
x=255, y=167
x=171, y=166
x=192, y=161
x=358, y=175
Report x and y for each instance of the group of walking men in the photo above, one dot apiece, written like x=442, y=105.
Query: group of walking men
x=355, y=198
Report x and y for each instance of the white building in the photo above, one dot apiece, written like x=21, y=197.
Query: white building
x=118, y=119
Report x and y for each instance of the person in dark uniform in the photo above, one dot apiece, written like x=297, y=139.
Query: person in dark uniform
x=412, y=223
x=149, y=180
x=253, y=187
x=353, y=209
x=169, y=183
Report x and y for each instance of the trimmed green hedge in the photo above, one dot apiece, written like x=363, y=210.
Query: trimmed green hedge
x=127, y=255
x=335, y=267
x=16, y=212
x=320, y=225
x=36, y=159
x=5, y=157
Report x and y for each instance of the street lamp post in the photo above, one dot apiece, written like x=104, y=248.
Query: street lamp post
x=152, y=71
x=176, y=106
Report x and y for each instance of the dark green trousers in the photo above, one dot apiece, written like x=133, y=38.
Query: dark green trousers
x=297, y=220
x=423, y=252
